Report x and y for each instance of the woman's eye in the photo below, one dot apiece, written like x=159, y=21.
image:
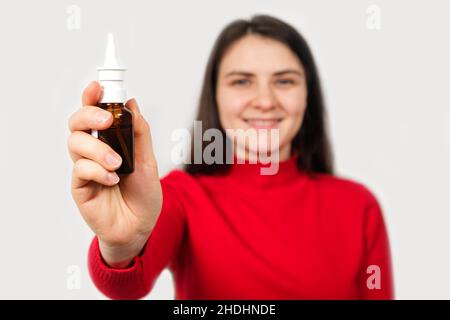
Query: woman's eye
x=285, y=82
x=241, y=82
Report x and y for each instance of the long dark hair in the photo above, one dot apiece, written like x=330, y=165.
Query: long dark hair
x=311, y=142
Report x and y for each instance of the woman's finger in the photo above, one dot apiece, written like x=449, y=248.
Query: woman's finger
x=85, y=170
x=90, y=118
x=91, y=94
x=83, y=145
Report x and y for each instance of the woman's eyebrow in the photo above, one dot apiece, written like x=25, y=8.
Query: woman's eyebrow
x=239, y=73
x=287, y=71
x=250, y=74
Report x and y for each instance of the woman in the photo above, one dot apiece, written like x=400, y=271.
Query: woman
x=225, y=230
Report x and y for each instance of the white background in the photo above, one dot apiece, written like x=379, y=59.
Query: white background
x=387, y=93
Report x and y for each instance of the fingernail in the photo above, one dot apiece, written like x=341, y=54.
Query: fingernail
x=102, y=116
x=112, y=160
x=113, y=177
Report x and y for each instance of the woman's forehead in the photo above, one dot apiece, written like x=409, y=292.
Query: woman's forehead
x=257, y=54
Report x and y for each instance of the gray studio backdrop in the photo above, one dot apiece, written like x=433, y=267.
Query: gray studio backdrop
x=385, y=70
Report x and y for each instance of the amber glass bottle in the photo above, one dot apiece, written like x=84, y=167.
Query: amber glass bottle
x=120, y=135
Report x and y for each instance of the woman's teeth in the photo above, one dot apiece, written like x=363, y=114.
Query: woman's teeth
x=262, y=122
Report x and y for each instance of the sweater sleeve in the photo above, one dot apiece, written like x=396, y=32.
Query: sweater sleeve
x=161, y=248
x=376, y=274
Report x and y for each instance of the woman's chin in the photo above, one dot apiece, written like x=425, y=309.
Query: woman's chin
x=259, y=153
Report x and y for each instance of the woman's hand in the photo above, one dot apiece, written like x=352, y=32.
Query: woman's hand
x=121, y=213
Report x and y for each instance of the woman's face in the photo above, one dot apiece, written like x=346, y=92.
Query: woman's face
x=261, y=85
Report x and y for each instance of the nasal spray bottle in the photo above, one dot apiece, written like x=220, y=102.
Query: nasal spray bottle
x=120, y=135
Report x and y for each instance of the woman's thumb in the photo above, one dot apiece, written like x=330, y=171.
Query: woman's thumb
x=143, y=148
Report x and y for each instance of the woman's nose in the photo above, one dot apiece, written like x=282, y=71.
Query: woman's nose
x=264, y=99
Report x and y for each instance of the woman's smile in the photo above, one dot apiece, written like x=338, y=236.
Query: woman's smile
x=262, y=122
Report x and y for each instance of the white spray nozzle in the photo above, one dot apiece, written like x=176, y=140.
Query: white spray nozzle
x=110, y=54
x=111, y=75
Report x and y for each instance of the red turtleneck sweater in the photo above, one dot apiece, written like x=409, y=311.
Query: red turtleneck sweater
x=244, y=235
